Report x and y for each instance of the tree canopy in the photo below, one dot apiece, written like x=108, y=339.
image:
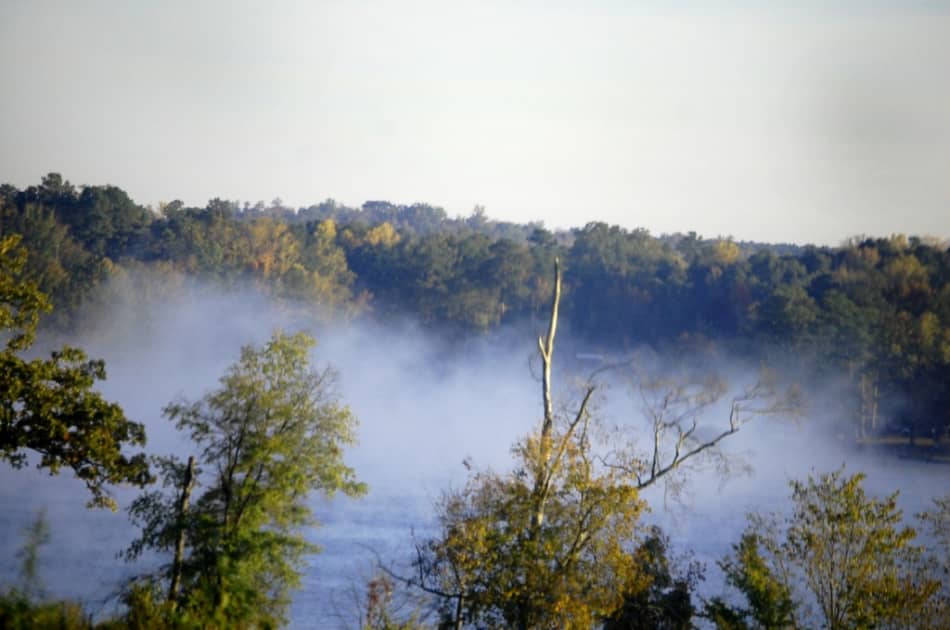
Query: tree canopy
x=876, y=310
x=841, y=559
x=49, y=406
x=271, y=434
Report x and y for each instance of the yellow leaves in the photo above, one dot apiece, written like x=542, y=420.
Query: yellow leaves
x=899, y=242
x=568, y=572
x=724, y=252
x=929, y=327
x=273, y=250
x=326, y=230
x=906, y=275
x=383, y=235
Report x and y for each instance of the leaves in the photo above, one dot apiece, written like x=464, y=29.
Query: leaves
x=272, y=433
x=48, y=406
x=845, y=552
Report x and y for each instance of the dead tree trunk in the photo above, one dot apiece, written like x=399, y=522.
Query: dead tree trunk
x=546, y=349
x=549, y=455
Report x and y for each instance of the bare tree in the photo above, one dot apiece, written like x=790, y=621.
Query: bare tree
x=680, y=414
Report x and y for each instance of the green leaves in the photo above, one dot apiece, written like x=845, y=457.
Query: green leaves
x=268, y=436
x=48, y=406
x=846, y=553
x=21, y=303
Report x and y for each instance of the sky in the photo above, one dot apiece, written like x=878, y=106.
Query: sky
x=754, y=120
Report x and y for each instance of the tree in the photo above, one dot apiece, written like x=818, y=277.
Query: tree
x=551, y=544
x=544, y=545
x=503, y=568
x=106, y=220
x=25, y=607
x=666, y=604
x=56, y=262
x=48, y=406
x=840, y=560
x=938, y=520
x=272, y=433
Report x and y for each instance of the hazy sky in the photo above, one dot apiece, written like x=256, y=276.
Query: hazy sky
x=812, y=124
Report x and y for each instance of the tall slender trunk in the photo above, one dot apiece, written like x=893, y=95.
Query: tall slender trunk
x=458, y=612
x=546, y=349
x=187, y=485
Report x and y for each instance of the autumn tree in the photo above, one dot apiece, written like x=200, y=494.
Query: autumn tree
x=271, y=434
x=841, y=559
x=49, y=406
x=552, y=543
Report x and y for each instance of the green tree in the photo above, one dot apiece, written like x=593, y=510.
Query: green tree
x=48, y=406
x=769, y=599
x=106, y=220
x=666, y=604
x=272, y=433
x=840, y=560
x=60, y=266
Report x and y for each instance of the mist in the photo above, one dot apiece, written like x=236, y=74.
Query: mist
x=424, y=407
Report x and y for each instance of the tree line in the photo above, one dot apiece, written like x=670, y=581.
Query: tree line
x=873, y=313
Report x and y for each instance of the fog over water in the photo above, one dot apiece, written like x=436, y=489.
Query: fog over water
x=422, y=411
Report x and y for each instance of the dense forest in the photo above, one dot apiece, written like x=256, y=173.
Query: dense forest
x=554, y=543
x=874, y=312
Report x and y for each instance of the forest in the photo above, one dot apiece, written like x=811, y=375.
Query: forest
x=557, y=542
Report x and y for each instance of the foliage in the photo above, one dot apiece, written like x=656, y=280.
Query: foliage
x=271, y=434
x=873, y=313
x=48, y=406
x=381, y=612
x=18, y=612
x=554, y=542
x=23, y=607
x=938, y=521
x=840, y=560
x=665, y=604
x=508, y=572
x=770, y=603
x=547, y=545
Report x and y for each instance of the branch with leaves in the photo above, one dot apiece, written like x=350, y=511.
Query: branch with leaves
x=49, y=406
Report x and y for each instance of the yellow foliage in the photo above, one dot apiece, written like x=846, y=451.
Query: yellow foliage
x=907, y=275
x=899, y=241
x=725, y=252
x=570, y=571
x=383, y=235
x=273, y=250
x=326, y=230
